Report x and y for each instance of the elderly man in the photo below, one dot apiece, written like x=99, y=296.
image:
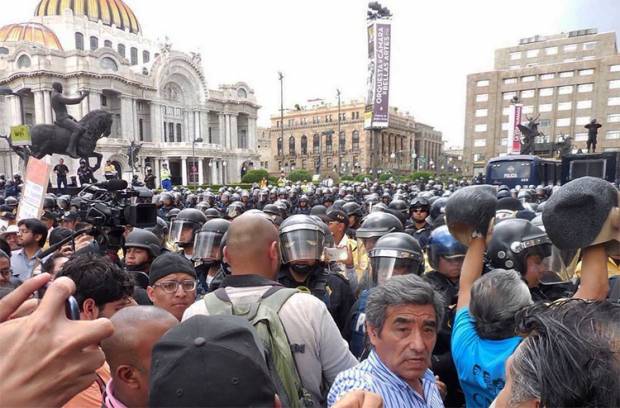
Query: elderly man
x=128, y=352
x=402, y=319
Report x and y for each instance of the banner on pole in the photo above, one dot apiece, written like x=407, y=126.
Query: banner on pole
x=514, y=134
x=35, y=187
x=376, y=114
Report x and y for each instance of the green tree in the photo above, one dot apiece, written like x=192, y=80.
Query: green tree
x=255, y=176
x=299, y=175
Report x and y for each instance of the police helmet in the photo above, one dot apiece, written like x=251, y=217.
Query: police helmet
x=234, y=210
x=187, y=222
x=376, y=225
x=396, y=253
x=352, y=208
x=273, y=213
x=513, y=241
x=318, y=209
x=301, y=238
x=142, y=238
x=211, y=213
x=420, y=202
x=442, y=244
x=208, y=239
x=160, y=229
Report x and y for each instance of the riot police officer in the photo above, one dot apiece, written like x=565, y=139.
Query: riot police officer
x=184, y=227
x=141, y=248
x=302, y=241
x=418, y=227
x=302, y=207
x=354, y=213
x=167, y=204
x=207, y=251
x=394, y=254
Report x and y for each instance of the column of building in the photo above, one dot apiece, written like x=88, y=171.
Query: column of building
x=222, y=136
x=156, y=123
x=39, y=107
x=214, y=178
x=127, y=118
x=47, y=107
x=252, y=133
x=234, y=139
x=184, y=170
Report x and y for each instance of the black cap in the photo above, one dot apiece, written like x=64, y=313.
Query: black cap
x=169, y=263
x=339, y=216
x=48, y=215
x=210, y=361
x=70, y=216
x=58, y=234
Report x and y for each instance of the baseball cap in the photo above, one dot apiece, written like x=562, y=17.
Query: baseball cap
x=48, y=215
x=339, y=216
x=210, y=361
x=169, y=263
x=11, y=229
x=70, y=216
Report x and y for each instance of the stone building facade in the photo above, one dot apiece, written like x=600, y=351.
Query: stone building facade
x=567, y=79
x=158, y=95
x=317, y=139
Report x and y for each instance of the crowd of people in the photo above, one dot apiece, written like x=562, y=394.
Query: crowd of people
x=422, y=294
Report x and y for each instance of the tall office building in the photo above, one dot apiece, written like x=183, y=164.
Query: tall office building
x=568, y=79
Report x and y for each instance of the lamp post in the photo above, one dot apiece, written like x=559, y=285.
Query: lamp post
x=281, y=78
x=199, y=140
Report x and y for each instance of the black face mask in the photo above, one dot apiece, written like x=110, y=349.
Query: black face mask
x=303, y=269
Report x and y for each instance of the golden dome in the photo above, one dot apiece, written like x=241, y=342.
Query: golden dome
x=108, y=11
x=33, y=32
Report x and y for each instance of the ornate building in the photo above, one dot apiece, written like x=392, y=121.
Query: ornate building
x=157, y=95
x=317, y=139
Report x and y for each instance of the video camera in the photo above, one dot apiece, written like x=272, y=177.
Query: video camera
x=110, y=206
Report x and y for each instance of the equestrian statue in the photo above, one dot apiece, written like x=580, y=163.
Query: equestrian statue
x=77, y=139
x=529, y=132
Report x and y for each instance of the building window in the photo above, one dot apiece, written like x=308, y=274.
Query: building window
x=481, y=113
x=104, y=100
x=563, y=122
x=482, y=97
x=546, y=91
x=545, y=123
x=342, y=142
x=564, y=106
x=570, y=48
x=179, y=132
x=316, y=143
x=614, y=68
x=171, y=132
x=304, y=144
x=94, y=43
x=584, y=104
x=529, y=78
x=141, y=129
x=480, y=142
x=482, y=127
x=582, y=120
x=589, y=46
x=565, y=90
x=509, y=95
x=585, y=72
x=23, y=62
x=482, y=82
x=612, y=135
x=328, y=143
x=280, y=147
x=613, y=101
x=165, y=131
x=528, y=109
x=121, y=50
x=581, y=137
x=79, y=41
x=528, y=93
x=585, y=88
x=515, y=56
x=546, y=107
x=108, y=64
x=615, y=84
x=355, y=140
x=146, y=57
x=544, y=77
x=242, y=139
x=567, y=74
x=532, y=53
x=505, y=126
x=551, y=50
x=291, y=146
x=510, y=81
x=613, y=118
x=107, y=44
x=134, y=56
x=4, y=51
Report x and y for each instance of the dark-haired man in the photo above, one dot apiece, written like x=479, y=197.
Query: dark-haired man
x=31, y=237
x=172, y=283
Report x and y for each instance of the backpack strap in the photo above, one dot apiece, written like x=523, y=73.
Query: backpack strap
x=275, y=297
x=218, y=302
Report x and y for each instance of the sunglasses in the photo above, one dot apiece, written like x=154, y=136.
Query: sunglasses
x=419, y=210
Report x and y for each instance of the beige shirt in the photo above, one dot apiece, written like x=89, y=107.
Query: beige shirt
x=307, y=322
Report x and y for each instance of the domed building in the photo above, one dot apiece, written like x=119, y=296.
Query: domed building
x=158, y=96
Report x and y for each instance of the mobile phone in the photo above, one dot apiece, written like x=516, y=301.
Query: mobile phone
x=72, y=309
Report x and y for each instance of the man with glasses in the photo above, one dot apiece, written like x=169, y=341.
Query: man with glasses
x=172, y=283
x=5, y=270
x=31, y=237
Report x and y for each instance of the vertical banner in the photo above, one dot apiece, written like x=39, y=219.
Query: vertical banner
x=514, y=134
x=376, y=114
x=34, y=189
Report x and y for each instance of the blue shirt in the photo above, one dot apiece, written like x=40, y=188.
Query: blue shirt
x=479, y=362
x=374, y=376
x=22, y=266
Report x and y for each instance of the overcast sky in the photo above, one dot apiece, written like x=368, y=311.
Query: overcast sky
x=320, y=45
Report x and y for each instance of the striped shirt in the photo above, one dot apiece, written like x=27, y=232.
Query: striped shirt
x=372, y=375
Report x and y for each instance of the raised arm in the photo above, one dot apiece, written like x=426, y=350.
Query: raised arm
x=594, y=280
x=72, y=101
x=472, y=269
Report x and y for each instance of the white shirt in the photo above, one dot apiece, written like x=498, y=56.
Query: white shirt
x=307, y=322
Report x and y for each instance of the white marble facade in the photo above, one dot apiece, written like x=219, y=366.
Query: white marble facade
x=161, y=100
